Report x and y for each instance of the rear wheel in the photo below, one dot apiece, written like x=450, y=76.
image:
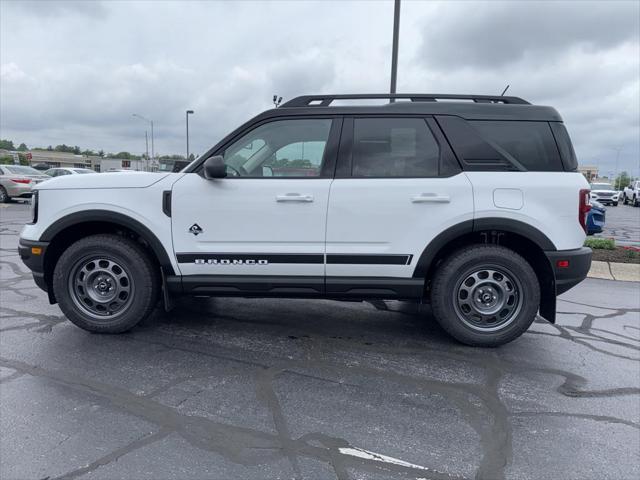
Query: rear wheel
x=635, y=202
x=485, y=295
x=106, y=283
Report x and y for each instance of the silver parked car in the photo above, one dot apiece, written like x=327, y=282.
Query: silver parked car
x=16, y=181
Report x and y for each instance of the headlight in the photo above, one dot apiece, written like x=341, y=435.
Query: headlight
x=593, y=195
x=34, y=206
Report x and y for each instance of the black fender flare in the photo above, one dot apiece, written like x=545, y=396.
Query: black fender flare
x=477, y=225
x=453, y=233
x=114, y=218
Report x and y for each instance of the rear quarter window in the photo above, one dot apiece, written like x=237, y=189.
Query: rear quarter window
x=565, y=146
x=531, y=144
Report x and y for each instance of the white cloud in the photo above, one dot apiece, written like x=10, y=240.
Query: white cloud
x=76, y=71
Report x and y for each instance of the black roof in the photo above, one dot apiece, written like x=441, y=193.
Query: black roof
x=472, y=107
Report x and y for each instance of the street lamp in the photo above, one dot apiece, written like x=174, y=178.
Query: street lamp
x=153, y=154
x=187, y=117
x=617, y=181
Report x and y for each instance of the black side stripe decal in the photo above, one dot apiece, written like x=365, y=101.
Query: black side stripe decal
x=304, y=258
x=364, y=259
x=269, y=257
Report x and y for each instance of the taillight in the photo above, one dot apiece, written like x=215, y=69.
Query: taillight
x=21, y=180
x=583, y=208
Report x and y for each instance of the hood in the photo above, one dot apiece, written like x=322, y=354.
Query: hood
x=103, y=180
x=612, y=192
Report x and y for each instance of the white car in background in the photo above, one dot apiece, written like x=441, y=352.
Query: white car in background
x=60, y=171
x=605, y=194
x=631, y=194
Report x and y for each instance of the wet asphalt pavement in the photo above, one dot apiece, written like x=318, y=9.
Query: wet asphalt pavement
x=623, y=224
x=266, y=389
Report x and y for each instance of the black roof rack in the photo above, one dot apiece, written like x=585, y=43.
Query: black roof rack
x=326, y=100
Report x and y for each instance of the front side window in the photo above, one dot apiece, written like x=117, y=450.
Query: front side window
x=283, y=148
x=394, y=147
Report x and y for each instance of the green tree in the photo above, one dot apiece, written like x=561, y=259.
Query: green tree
x=49, y=148
x=22, y=148
x=101, y=153
x=7, y=145
x=622, y=180
x=76, y=150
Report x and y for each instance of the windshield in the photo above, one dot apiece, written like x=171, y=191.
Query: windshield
x=22, y=170
x=83, y=170
x=601, y=186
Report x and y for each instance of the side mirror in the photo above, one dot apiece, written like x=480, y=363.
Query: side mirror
x=214, y=167
x=267, y=171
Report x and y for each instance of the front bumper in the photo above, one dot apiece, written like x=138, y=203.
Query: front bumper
x=34, y=259
x=570, y=267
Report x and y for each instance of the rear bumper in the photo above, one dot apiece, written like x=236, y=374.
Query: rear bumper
x=35, y=262
x=576, y=269
x=18, y=190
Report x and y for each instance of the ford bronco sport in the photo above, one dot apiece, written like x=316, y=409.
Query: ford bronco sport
x=470, y=203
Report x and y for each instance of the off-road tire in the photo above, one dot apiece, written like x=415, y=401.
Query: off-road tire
x=143, y=276
x=447, y=283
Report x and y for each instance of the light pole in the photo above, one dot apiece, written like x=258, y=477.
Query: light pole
x=146, y=148
x=617, y=182
x=394, y=50
x=187, y=117
x=153, y=153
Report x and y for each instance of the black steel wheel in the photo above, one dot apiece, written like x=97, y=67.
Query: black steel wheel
x=106, y=283
x=485, y=295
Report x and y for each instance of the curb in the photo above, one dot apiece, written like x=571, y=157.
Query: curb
x=626, y=272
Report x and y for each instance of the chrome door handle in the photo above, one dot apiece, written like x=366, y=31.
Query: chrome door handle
x=294, y=197
x=430, y=198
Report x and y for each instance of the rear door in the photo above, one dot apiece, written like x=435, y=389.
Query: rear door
x=268, y=216
x=397, y=187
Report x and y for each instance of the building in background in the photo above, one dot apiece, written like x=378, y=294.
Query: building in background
x=100, y=164
x=590, y=172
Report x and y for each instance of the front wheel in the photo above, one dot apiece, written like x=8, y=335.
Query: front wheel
x=615, y=204
x=485, y=295
x=4, y=196
x=106, y=283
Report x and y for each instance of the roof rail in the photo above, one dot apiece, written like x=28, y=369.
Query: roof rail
x=326, y=100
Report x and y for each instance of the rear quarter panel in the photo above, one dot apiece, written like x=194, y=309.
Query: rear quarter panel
x=547, y=201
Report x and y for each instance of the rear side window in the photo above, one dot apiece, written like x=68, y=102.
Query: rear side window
x=394, y=147
x=565, y=146
x=531, y=144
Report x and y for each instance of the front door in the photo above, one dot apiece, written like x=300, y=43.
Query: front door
x=268, y=216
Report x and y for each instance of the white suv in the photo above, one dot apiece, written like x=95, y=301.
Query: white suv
x=474, y=206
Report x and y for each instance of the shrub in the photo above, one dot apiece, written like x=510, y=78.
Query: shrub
x=600, y=243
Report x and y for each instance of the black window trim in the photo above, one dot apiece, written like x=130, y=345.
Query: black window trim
x=329, y=157
x=344, y=165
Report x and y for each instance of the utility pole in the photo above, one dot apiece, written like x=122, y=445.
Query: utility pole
x=146, y=144
x=153, y=152
x=394, y=50
x=189, y=112
x=616, y=183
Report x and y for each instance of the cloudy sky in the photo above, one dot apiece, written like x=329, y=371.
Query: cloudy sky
x=74, y=72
